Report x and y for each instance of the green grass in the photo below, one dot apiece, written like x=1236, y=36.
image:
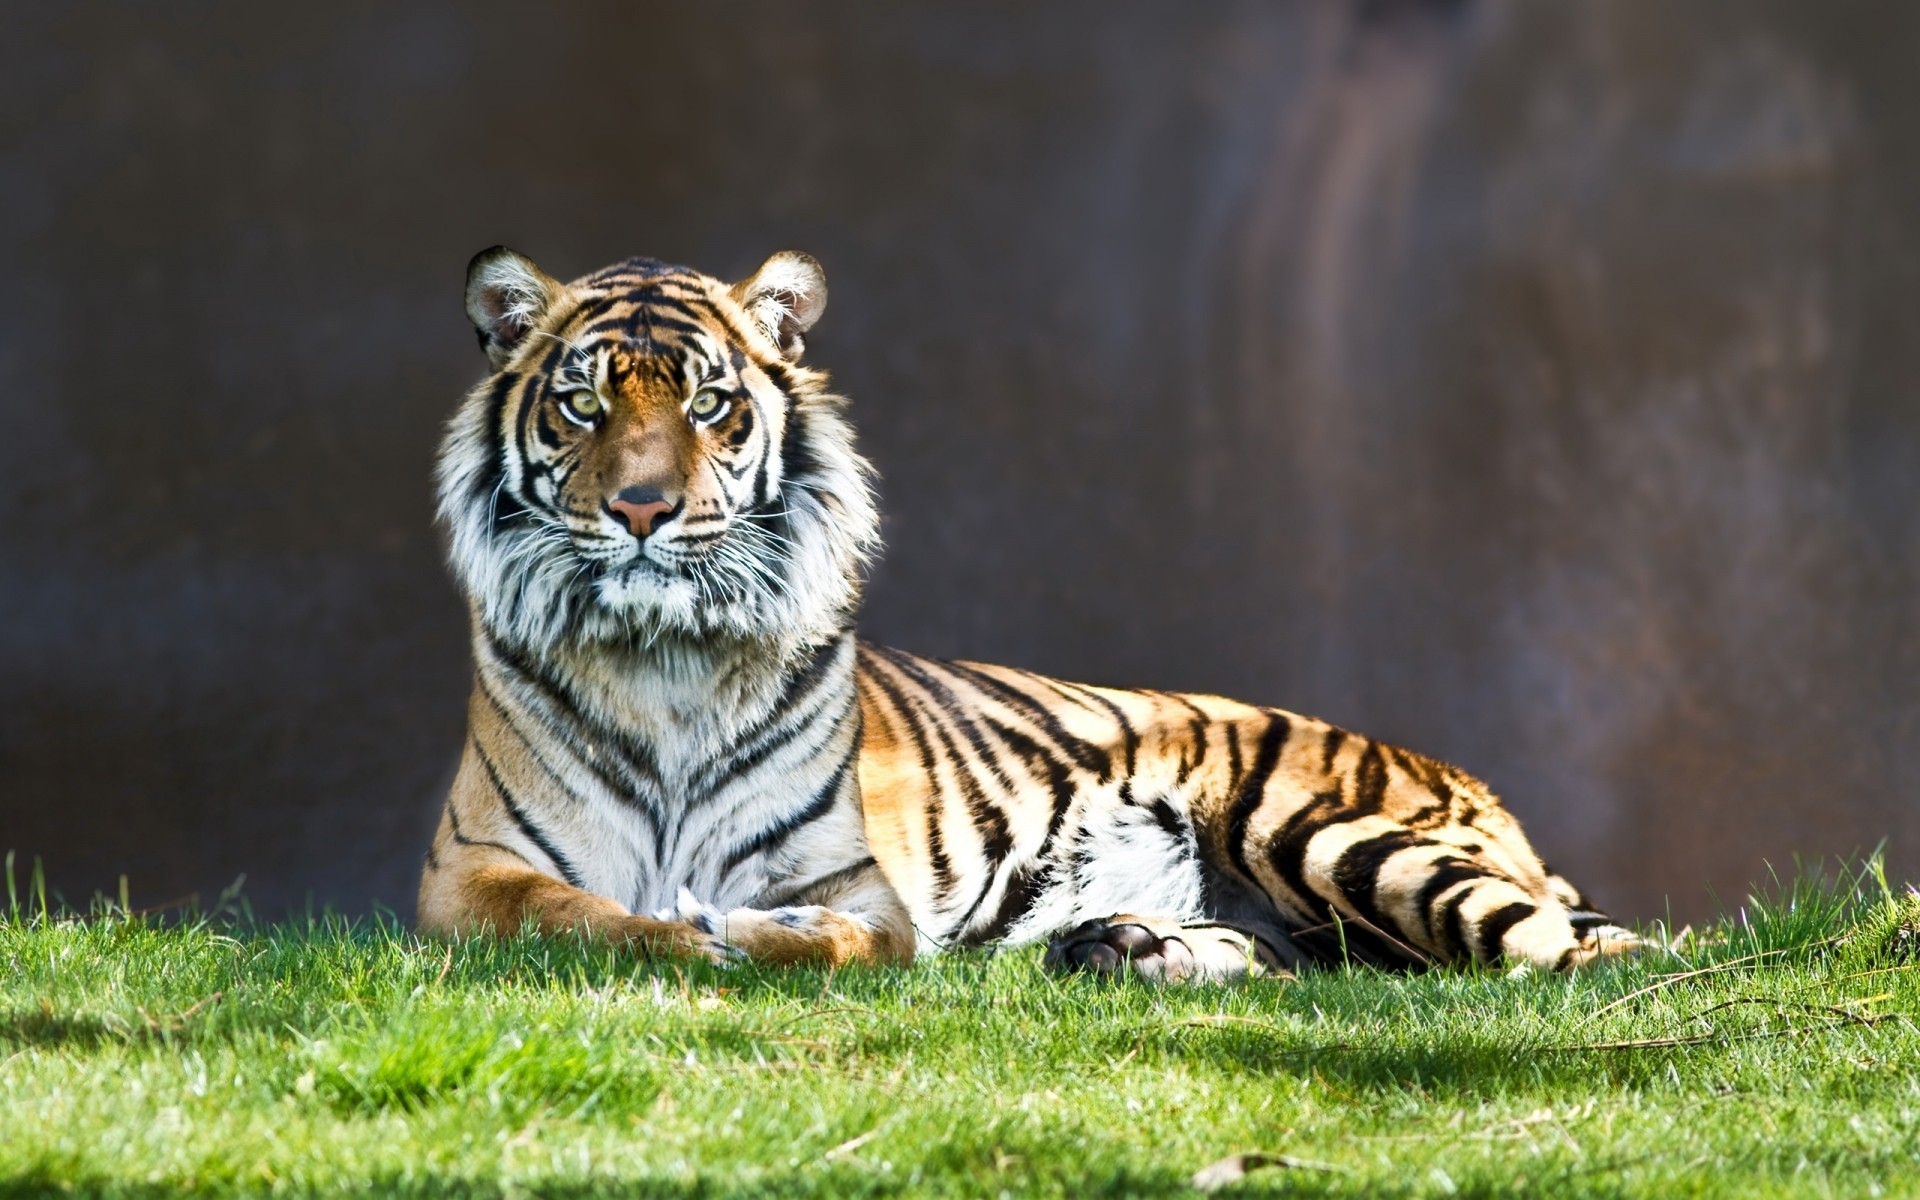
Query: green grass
x=219, y=1057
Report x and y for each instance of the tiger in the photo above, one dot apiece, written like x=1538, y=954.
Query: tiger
x=678, y=744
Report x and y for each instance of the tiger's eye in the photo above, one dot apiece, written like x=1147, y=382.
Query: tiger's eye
x=584, y=406
x=705, y=404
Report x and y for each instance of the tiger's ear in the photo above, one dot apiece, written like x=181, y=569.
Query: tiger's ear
x=785, y=297
x=506, y=295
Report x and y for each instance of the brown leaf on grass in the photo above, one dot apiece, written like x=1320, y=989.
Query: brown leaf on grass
x=168, y=1024
x=1235, y=1167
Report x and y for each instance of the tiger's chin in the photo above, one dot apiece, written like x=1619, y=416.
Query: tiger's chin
x=646, y=594
x=645, y=601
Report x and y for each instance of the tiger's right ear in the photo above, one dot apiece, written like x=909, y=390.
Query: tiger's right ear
x=506, y=295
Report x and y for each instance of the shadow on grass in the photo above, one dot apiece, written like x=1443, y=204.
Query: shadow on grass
x=46, y=1029
x=796, y=1184
x=38, y=1027
x=1466, y=1068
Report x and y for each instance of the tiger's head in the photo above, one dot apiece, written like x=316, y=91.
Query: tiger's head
x=648, y=458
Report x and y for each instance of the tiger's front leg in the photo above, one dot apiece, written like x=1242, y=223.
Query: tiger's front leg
x=488, y=892
x=853, y=916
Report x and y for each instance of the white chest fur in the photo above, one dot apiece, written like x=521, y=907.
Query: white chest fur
x=666, y=763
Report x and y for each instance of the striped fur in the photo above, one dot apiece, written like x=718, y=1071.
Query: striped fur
x=676, y=741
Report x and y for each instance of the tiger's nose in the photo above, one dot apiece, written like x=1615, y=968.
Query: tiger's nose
x=641, y=508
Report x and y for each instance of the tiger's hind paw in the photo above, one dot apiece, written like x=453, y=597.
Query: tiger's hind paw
x=1158, y=950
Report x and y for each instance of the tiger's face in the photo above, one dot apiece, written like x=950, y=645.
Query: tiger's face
x=654, y=452
x=649, y=457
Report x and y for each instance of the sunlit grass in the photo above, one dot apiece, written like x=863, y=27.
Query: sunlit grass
x=1773, y=1054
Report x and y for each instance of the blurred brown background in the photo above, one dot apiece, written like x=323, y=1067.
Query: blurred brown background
x=1526, y=382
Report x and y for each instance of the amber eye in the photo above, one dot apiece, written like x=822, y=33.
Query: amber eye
x=582, y=407
x=707, y=405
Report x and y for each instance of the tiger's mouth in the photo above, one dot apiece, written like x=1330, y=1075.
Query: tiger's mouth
x=667, y=562
x=725, y=568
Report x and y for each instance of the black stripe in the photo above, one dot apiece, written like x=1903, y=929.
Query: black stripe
x=621, y=788
x=487, y=483
x=1370, y=781
x=989, y=821
x=743, y=427
x=1061, y=689
x=751, y=758
x=453, y=821
x=1447, y=873
x=918, y=724
x=996, y=845
x=757, y=492
x=645, y=318
x=1585, y=921
x=1130, y=738
x=1197, y=729
x=936, y=844
x=949, y=705
x=548, y=435
x=527, y=827
x=577, y=728
x=1450, y=931
x=1085, y=755
x=819, y=886
x=1357, y=874
x=701, y=305
x=648, y=270
x=525, y=436
x=1252, y=789
x=798, y=462
x=1494, y=926
x=779, y=727
x=1427, y=772
x=819, y=806
x=1170, y=820
x=1431, y=775
x=1287, y=847
x=1330, y=746
x=1025, y=884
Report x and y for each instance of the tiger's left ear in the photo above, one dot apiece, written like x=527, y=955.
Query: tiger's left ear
x=785, y=297
x=506, y=296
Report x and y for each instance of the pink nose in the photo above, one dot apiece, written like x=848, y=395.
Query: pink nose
x=640, y=513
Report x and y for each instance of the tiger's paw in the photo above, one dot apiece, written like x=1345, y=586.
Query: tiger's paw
x=668, y=938
x=689, y=909
x=787, y=936
x=1158, y=950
